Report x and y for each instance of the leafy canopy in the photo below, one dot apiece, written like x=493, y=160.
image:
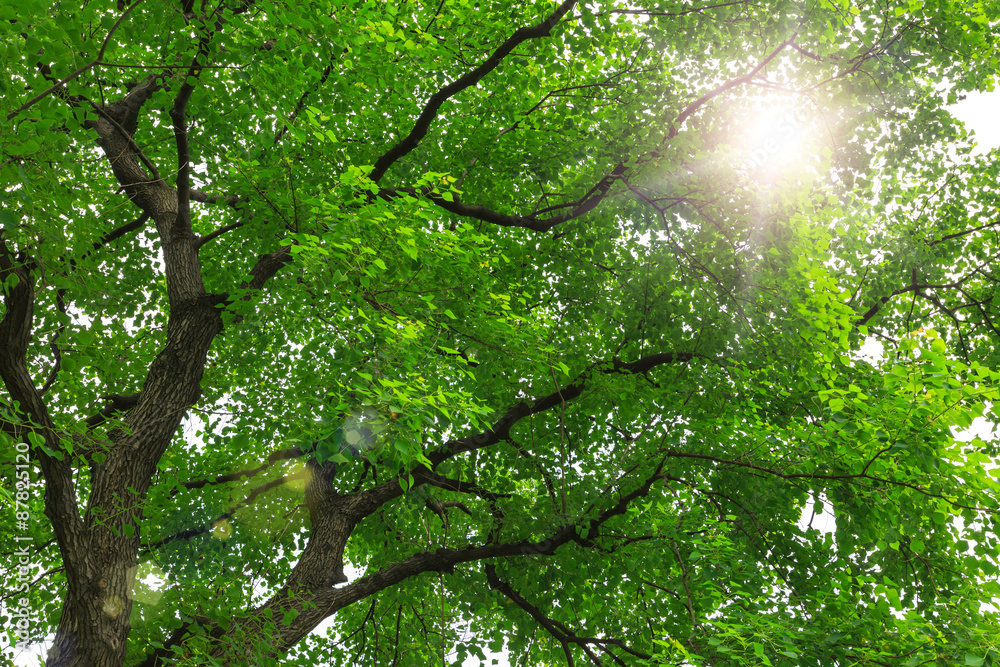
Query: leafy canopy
x=529, y=328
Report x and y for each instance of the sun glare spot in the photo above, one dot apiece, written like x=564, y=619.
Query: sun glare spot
x=298, y=477
x=774, y=138
x=150, y=584
x=222, y=529
x=113, y=606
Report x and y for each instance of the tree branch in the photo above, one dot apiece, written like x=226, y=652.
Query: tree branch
x=179, y=118
x=205, y=198
x=458, y=486
x=302, y=100
x=54, y=344
x=578, y=208
x=119, y=232
x=230, y=513
x=217, y=233
x=154, y=173
x=96, y=61
x=501, y=428
x=554, y=628
x=691, y=10
x=819, y=476
x=562, y=634
x=273, y=457
x=468, y=79
x=594, y=196
x=116, y=403
x=17, y=284
x=267, y=266
x=316, y=604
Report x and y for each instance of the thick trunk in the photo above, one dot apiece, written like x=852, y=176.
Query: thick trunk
x=102, y=563
x=94, y=626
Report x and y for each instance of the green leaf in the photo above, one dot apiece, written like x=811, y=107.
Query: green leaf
x=457, y=281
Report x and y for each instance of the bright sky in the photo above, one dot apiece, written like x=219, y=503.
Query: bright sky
x=981, y=114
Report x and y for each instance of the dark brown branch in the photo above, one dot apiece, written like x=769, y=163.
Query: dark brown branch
x=205, y=198
x=965, y=232
x=500, y=431
x=732, y=83
x=640, y=366
x=274, y=457
x=186, y=534
x=691, y=10
x=54, y=344
x=119, y=232
x=267, y=266
x=807, y=54
x=115, y=403
x=818, y=476
x=230, y=513
x=441, y=509
x=458, y=486
x=15, y=334
x=578, y=208
x=546, y=476
x=324, y=601
x=553, y=627
x=150, y=196
x=468, y=79
x=596, y=194
x=302, y=100
x=913, y=287
x=559, y=630
x=179, y=118
x=316, y=598
x=217, y=233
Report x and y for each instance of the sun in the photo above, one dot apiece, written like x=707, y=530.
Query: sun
x=774, y=138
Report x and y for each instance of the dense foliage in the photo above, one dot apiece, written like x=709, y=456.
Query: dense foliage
x=630, y=332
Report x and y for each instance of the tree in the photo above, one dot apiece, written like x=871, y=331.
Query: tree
x=543, y=323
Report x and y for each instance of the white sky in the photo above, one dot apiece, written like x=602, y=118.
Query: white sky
x=981, y=114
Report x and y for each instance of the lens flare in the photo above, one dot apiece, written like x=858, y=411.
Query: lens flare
x=775, y=139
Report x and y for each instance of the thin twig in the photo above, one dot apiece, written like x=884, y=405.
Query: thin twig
x=92, y=63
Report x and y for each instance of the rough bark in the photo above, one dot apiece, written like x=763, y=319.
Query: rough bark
x=100, y=547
